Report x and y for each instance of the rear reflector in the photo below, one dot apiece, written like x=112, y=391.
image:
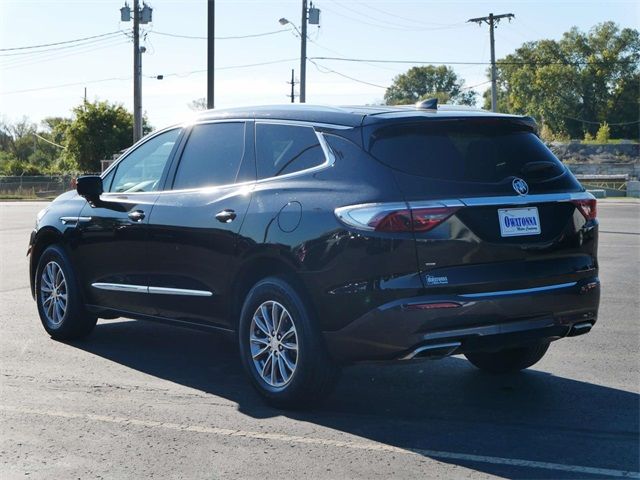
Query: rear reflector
x=588, y=208
x=394, y=217
x=430, y=306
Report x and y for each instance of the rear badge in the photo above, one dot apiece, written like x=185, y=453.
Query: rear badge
x=520, y=186
x=431, y=280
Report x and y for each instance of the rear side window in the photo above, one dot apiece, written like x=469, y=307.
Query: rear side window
x=283, y=149
x=465, y=152
x=212, y=156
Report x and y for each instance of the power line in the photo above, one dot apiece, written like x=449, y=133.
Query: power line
x=592, y=122
x=329, y=70
x=103, y=38
x=48, y=141
x=173, y=74
x=425, y=62
x=233, y=37
x=57, y=43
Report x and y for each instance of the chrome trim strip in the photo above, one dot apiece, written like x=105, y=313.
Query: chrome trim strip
x=524, y=199
x=520, y=291
x=121, y=287
x=303, y=123
x=66, y=220
x=179, y=291
x=437, y=203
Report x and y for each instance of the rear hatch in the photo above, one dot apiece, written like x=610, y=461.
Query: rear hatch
x=493, y=208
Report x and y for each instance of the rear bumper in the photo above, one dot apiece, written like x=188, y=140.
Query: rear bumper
x=445, y=324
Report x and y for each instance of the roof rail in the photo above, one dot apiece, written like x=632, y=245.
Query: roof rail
x=428, y=104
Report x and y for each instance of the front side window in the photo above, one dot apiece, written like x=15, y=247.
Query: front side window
x=283, y=149
x=141, y=170
x=212, y=156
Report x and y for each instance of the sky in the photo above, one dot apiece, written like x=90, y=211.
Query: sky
x=51, y=83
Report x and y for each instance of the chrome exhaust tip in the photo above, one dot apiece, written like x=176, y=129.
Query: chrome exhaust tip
x=580, y=329
x=438, y=350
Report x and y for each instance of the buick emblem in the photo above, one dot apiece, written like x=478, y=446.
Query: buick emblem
x=520, y=186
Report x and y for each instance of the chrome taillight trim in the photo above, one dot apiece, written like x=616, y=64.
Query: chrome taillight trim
x=344, y=213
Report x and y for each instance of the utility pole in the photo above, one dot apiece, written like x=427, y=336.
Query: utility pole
x=211, y=30
x=303, y=54
x=492, y=20
x=140, y=16
x=293, y=84
x=137, y=74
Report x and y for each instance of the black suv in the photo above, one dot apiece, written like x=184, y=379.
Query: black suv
x=321, y=236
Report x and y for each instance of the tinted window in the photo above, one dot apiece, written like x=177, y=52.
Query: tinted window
x=140, y=171
x=283, y=149
x=212, y=155
x=469, y=152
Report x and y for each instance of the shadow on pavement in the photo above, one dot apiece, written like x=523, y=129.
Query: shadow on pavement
x=442, y=405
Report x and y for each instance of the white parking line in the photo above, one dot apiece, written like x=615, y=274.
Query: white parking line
x=368, y=446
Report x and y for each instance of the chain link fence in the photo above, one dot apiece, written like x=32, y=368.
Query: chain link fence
x=39, y=186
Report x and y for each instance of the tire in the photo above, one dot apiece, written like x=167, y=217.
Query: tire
x=59, y=299
x=313, y=374
x=509, y=360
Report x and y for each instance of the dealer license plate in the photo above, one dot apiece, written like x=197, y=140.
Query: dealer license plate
x=519, y=221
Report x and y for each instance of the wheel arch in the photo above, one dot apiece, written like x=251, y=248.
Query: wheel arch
x=45, y=237
x=254, y=270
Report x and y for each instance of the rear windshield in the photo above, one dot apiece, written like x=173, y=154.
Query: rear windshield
x=465, y=152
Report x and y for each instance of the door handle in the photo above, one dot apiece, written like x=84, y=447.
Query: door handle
x=136, y=215
x=226, y=216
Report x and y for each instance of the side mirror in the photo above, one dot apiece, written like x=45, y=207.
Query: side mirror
x=89, y=187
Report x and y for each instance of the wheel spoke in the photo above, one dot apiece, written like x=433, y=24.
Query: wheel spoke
x=282, y=369
x=261, y=325
x=267, y=320
x=290, y=346
x=258, y=340
x=287, y=362
x=267, y=363
x=281, y=318
x=289, y=332
x=260, y=352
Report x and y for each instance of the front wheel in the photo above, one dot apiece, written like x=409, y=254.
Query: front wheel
x=60, y=305
x=282, y=349
x=509, y=360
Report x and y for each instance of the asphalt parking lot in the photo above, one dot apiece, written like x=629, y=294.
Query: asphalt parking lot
x=139, y=400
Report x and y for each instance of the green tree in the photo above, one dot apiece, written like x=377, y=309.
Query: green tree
x=97, y=131
x=576, y=83
x=428, y=81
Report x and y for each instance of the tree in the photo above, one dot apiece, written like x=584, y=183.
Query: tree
x=576, y=83
x=98, y=130
x=198, y=104
x=428, y=81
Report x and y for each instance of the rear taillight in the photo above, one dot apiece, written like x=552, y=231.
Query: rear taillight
x=588, y=208
x=394, y=217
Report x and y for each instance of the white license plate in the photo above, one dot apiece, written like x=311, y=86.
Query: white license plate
x=519, y=221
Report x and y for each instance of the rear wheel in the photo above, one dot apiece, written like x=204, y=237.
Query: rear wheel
x=58, y=297
x=509, y=360
x=282, y=350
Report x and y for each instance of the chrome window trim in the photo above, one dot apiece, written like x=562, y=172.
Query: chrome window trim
x=179, y=291
x=501, y=293
x=123, y=287
x=330, y=159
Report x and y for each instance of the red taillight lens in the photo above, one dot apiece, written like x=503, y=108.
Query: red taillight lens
x=424, y=219
x=389, y=217
x=588, y=208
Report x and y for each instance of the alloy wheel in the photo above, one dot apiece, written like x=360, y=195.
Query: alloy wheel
x=274, y=344
x=53, y=293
